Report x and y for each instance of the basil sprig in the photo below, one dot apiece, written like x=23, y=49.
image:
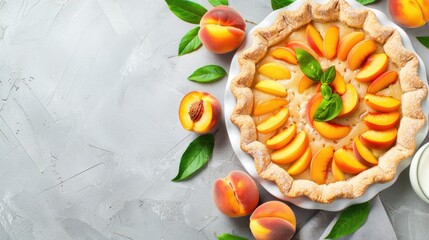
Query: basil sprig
x=331, y=104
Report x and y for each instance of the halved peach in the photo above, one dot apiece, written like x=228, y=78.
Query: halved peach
x=339, y=84
x=282, y=138
x=382, y=121
x=360, y=52
x=305, y=83
x=383, y=81
x=312, y=106
x=375, y=65
x=320, y=164
x=363, y=154
x=199, y=111
x=330, y=43
x=271, y=87
x=274, y=70
x=269, y=106
x=314, y=39
x=379, y=139
x=300, y=165
x=285, y=54
x=346, y=161
x=337, y=173
x=347, y=43
x=274, y=122
x=382, y=103
x=273, y=220
x=292, y=151
x=298, y=44
x=331, y=130
x=350, y=101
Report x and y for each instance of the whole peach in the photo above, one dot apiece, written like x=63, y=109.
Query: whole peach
x=273, y=220
x=409, y=13
x=199, y=111
x=236, y=195
x=222, y=29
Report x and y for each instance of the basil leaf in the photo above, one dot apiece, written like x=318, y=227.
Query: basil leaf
x=276, y=4
x=366, y=2
x=309, y=65
x=215, y=3
x=424, y=41
x=190, y=42
x=329, y=75
x=328, y=109
x=195, y=156
x=207, y=74
x=350, y=220
x=186, y=10
x=227, y=236
x=326, y=91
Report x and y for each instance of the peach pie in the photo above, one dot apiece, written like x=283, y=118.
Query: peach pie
x=328, y=101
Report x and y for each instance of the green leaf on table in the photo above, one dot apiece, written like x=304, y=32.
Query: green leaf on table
x=309, y=65
x=350, y=220
x=207, y=74
x=227, y=236
x=329, y=75
x=188, y=11
x=216, y=3
x=328, y=108
x=190, y=42
x=366, y=2
x=195, y=156
x=277, y=4
x=424, y=41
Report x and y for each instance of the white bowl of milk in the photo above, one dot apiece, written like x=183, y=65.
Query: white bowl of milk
x=419, y=172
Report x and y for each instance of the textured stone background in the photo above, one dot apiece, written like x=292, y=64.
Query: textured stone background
x=89, y=134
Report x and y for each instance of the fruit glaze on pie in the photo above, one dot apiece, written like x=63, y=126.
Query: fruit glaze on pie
x=307, y=143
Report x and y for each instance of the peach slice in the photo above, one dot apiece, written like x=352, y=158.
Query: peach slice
x=300, y=165
x=363, y=154
x=236, y=195
x=274, y=122
x=273, y=220
x=347, y=43
x=298, y=44
x=382, y=121
x=320, y=164
x=305, y=83
x=292, y=151
x=339, y=85
x=383, y=81
x=282, y=138
x=199, y=111
x=382, y=103
x=222, y=29
x=350, y=101
x=331, y=130
x=337, y=173
x=360, y=52
x=269, y=106
x=271, y=87
x=285, y=54
x=314, y=39
x=274, y=71
x=330, y=44
x=312, y=106
x=379, y=139
x=346, y=161
x=375, y=65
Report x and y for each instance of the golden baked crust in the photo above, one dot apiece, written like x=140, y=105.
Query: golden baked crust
x=414, y=92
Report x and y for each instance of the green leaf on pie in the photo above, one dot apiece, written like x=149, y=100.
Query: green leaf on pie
x=350, y=220
x=188, y=11
x=218, y=2
x=207, y=74
x=195, y=156
x=328, y=108
x=190, y=42
x=309, y=65
x=277, y=4
x=329, y=75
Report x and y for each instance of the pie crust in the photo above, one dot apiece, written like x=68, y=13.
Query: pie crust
x=413, y=88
